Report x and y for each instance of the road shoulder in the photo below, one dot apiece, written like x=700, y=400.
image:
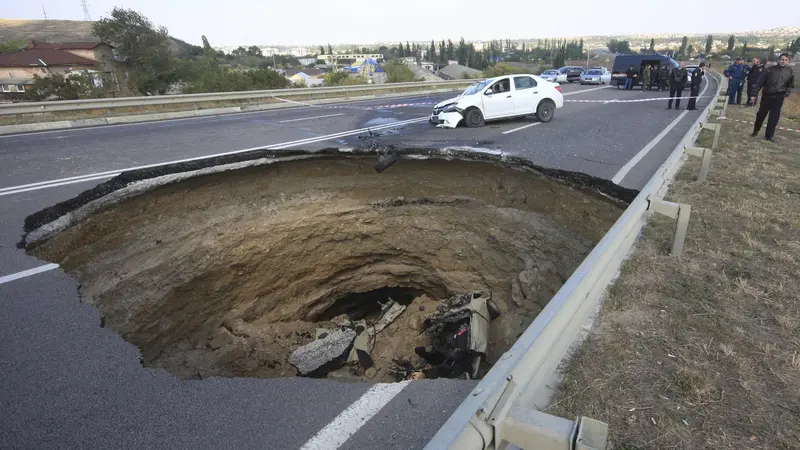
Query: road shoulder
x=703, y=351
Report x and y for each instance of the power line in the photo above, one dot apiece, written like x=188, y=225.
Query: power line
x=86, y=15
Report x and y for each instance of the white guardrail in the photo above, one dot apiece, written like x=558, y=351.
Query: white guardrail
x=501, y=409
x=322, y=92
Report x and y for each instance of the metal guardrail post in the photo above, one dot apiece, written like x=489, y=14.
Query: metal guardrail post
x=705, y=165
x=679, y=211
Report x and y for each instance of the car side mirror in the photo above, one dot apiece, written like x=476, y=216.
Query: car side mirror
x=488, y=92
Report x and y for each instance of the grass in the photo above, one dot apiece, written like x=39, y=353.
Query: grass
x=703, y=351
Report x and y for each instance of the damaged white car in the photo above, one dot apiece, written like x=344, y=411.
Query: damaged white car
x=500, y=98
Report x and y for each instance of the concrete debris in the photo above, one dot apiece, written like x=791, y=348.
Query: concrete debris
x=221, y=337
x=313, y=356
x=365, y=341
x=392, y=310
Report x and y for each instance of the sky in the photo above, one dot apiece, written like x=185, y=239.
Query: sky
x=306, y=22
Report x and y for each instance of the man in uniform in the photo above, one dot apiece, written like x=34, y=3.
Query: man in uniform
x=735, y=75
x=663, y=78
x=646, y=77
x=694, y=86
x=654, y=76
x=753, y=74
x=677, y=81
x=629, y=78
x=777, y=82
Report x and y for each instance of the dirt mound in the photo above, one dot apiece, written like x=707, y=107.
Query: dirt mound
x=227, y=274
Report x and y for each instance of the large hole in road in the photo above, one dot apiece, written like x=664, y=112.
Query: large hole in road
x=229, y=274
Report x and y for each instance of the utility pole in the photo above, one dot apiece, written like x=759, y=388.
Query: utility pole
x=86, y=15
x=45, y=13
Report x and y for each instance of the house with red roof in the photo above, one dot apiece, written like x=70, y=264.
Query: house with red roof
x=17, y=69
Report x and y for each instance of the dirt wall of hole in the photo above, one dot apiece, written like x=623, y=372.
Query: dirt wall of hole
x=228, y=273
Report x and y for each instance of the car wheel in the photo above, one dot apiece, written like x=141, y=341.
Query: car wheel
x=545, y=110
x=474, y=118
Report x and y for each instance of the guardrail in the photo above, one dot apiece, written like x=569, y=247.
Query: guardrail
x=501, y=409
x=306, y=93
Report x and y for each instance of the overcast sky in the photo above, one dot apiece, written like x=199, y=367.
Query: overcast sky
x=241, y=22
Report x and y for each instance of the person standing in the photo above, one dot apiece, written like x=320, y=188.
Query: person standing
x=629, y=78
x=753, y=74
x=663, y=78
x=654, y=76
x=694, y=86
x=646, y=78
x=777, y=82
x=677, y=81
x=735, y=75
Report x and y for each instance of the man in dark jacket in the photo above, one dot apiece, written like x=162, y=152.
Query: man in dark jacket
x=694, y=86
x=677, y=81
x=754, y=72
x=777, y=82
x=629, y=80
x=735, y=75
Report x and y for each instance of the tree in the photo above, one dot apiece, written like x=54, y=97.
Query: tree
x=709, y=44
x=731, y=43
x=462, y=52
x=652, y=45
x=442, y=53
x=330, y=49
x=690, y=50
x=253, y=50
x=451, y=50
x=238, y=51
x=321, y=50
x=617, y=46
x=397, y=71
x=75, y=86
x=501, y=69
x=744, y=49
x=408, y=50
x=432, y=52
x=580, y=48
x=11, y=46
x=684, y=44
x=143, y=48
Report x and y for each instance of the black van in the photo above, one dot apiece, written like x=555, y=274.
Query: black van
x=622, y=62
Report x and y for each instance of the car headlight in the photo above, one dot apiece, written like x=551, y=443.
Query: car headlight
x=450, y=108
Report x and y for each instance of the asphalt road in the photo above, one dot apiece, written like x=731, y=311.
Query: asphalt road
x=67, y=382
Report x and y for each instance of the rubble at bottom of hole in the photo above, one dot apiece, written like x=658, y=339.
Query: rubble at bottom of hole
x=456, y=336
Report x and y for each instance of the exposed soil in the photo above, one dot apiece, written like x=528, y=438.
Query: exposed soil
x=226, y=274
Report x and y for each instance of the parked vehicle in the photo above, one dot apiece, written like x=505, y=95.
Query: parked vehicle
x=596, y=76
x=574, y=74
x=500, y=98
x=622, y=62
x=552, y=75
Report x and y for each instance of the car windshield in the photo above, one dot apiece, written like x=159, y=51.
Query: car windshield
x=549, y=72
x=593, y=72
x=477, y=87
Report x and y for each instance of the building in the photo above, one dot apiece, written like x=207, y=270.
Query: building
x=338, y=59
x=17, y=69
x=305, y=77
x=458, y=72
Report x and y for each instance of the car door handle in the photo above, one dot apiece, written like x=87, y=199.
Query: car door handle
x=508, y=96
x=535, y=92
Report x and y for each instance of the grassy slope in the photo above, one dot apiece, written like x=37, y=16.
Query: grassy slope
x=58, y=31
x=703, y=351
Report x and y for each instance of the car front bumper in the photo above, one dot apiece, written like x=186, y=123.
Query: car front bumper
x=446, y=119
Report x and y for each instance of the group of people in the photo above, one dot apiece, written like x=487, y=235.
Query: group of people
x=664, y=78
x=775, y=83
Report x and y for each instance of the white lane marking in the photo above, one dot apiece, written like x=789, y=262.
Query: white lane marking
x=112, y=173
x=522, y=127
x=309, y=118
x=214, y=116
x=354, y=417
x=27, y=273
x=585, y=90
x=643, y=152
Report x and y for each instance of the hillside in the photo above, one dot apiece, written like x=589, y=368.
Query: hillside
x=61, y=31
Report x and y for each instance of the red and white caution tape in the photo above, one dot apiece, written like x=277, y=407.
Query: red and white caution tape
x=752, y=123
x=659, y=99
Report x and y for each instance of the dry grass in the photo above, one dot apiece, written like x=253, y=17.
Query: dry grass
x=703, y=351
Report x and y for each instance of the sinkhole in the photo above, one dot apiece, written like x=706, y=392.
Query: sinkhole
x=227, y=274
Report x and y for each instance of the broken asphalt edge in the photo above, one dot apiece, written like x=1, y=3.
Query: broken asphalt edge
x=41, y=225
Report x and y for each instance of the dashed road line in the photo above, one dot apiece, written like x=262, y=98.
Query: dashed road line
x=339, y=430
x=27, y=273
x=310, y=118
x=522, y=127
